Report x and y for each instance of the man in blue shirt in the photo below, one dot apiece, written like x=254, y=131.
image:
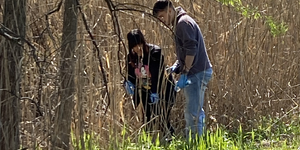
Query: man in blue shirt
x=193, y=62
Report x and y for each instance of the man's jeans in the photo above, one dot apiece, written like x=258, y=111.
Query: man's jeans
x=194, y=94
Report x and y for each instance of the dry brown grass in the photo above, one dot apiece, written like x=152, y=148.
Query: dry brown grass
x=255, y=74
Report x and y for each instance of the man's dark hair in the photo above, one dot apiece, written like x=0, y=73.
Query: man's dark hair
x=161, y=5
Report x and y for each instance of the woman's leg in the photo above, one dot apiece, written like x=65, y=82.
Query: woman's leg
x=147, y=109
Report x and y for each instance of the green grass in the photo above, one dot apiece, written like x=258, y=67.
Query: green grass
x=269, y=134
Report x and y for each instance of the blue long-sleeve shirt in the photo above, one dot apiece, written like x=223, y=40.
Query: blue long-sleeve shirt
x=189, y=41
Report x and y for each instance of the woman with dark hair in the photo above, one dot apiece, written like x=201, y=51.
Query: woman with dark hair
x=147, y=81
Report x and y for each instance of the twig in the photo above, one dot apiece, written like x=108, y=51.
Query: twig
x=8, y=34
x=117, y=29
x=97, y=50
x=147, y=14
x=25, y=98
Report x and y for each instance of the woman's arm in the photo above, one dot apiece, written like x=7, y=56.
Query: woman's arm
x=130, y=71
x=156, y=68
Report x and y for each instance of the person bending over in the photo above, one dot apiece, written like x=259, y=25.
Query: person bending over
x=147, y=82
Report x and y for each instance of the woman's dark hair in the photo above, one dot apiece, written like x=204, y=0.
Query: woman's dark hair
x=161, y=5
x=135, y=37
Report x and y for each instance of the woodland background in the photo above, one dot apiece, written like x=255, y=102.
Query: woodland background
x=62, y=65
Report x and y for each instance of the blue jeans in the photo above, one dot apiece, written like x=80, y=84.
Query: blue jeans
x=194, y=93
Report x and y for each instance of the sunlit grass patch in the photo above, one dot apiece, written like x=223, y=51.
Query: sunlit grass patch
x=280, y=136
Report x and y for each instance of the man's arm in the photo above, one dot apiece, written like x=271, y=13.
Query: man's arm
x=187, y=36
x=188, y=63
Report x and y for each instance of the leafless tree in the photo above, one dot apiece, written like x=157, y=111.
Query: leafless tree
x=62, y=126
x=10, y=72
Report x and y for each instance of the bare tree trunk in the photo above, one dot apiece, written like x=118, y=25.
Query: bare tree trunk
x=14, y=18
x=62, y=126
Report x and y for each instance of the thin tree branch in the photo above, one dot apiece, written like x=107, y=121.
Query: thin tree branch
x=131, y=4
x=97, y=51
x=117, y=29
x=146, y=13
x=8, y=34
x=25, y=98
x=56, y=9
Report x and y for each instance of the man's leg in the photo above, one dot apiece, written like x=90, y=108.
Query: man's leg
x=194, y=93
x=204, y=78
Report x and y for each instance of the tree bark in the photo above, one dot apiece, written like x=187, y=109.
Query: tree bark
x=62, y=125
x=14, y=18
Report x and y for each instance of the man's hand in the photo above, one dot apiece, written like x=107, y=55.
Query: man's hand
x=129, y=87
x=183, y=81
x=154, y=98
